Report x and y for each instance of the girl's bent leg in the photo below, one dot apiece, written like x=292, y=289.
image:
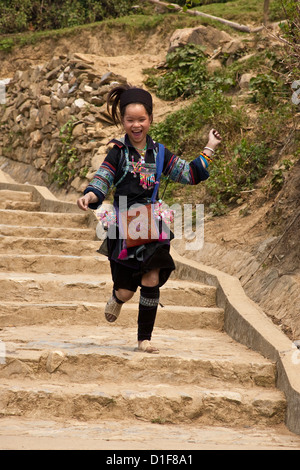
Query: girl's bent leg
x=123, y=295
x=114, y=304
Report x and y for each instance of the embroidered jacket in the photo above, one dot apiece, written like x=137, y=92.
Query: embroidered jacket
x=112, y=170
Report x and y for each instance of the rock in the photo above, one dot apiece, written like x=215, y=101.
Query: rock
x=98, y=158
x=54, y=360
x=60, y=78
x=97, y=101
x=63, y=115
x=245, y=80
x=213, y=65
x=88, y=88
x=41, y=99
x=63, y=90
x=207, y=36
x=33, y=120
x=25, y=107
x=17, y=368
x=78, y=130
x=80, y=103
x=53, y=73
x=111, y=77
x=44, y=114
x=233, y=47
x=55, y=102
x=83, y=58
x=36, y=138
x=40, y=163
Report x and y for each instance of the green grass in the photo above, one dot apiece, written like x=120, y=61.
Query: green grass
x=243, y=11
x=248, y=149
x=132, y=24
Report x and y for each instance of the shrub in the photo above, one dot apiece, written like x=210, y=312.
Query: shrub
x=184, y=76
x=267, y=90
x=16, y=16
x=64, y=168
x=229, y=177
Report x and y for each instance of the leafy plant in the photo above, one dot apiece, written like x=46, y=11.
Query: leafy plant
x=228, y=178
x=65, y=166
x=265, y=89
x=209, y=108
x=6, y=45
x=278, y=177
x=184, y=76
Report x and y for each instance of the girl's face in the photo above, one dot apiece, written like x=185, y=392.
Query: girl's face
x=136, y=122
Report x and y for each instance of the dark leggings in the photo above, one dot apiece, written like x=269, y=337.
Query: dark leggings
x=149, y=299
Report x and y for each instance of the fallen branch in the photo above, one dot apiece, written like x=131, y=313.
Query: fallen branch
x=231, y=24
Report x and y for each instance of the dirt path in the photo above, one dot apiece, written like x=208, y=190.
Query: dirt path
x=131, y=67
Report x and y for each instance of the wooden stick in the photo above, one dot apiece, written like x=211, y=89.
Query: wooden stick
x=239, y=27
x=266, y=11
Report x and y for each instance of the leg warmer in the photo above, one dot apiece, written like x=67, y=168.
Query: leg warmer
x=149, y=299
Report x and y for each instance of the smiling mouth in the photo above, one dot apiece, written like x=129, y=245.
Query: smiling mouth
x=137, y=133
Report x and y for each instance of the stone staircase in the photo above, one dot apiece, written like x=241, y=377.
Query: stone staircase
x=64, y=363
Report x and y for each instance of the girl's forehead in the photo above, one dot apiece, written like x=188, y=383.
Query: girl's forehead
x=135, y=110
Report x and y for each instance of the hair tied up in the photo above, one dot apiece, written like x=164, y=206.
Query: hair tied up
x=123, y=95
x=113, y=102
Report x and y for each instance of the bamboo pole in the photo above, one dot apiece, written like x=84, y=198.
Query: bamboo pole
x=266, y=11
x=232, y=24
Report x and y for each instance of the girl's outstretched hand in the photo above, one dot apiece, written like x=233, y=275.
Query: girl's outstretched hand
x=214, y=138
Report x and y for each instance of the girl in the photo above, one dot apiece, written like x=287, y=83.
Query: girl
x=131, y=166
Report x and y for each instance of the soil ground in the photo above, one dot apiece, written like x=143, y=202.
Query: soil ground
x=246, y=233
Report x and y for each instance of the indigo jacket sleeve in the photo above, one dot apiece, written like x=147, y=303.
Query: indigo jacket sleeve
x=104, y=178
x=181, y=171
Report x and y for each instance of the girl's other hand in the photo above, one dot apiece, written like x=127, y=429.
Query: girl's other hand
x=214, y=138
x=84, y=201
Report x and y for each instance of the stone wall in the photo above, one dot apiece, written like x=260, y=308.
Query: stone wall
x=58, y=110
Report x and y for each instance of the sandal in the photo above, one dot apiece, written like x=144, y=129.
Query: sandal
x=112, y=310
x=146, y=346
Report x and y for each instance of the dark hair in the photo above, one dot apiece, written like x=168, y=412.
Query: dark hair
x=118, y=99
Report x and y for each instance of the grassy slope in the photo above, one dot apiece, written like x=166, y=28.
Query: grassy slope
x=243, y=11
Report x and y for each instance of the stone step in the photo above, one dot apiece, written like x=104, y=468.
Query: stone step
x=53, y=287
x=154, y=403
x=60, y=264
x=43, y=219
x=100, y=354
x=61, y=360
x=85, y=313
x=18, y=433
x=48, y=232
x=48, y=246
x=8, y=194
x=20, y=205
